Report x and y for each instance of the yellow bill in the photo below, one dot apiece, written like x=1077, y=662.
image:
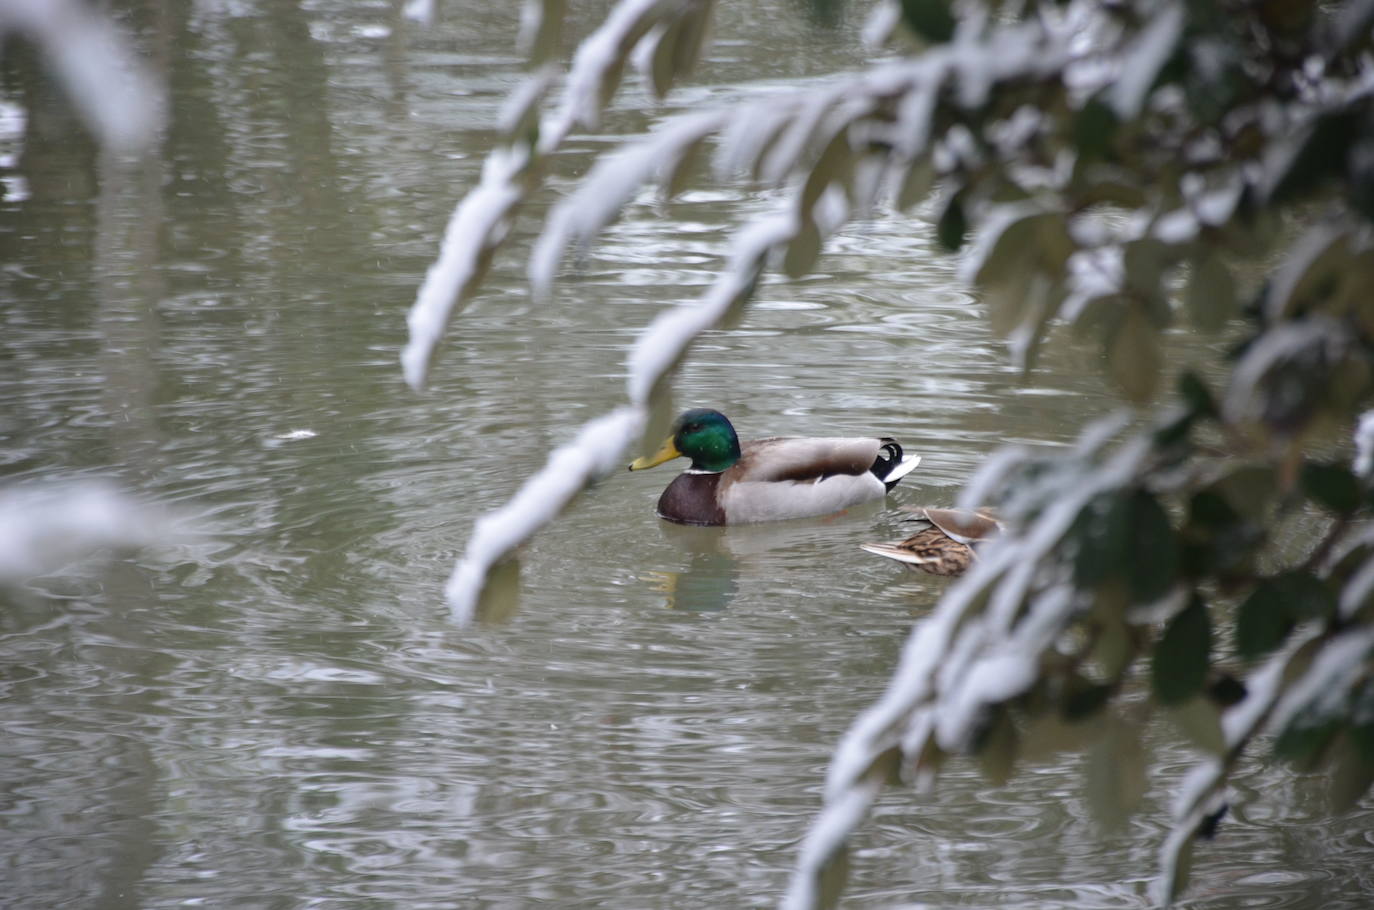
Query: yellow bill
x=666, y=452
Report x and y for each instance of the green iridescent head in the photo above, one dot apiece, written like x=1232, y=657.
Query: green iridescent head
x=703, y=435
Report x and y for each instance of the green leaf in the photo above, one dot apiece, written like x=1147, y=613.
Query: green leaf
x=1114, y=646
x=1312, y=159
x=916, y=183
x=1225, y=690
x=1145, y=58
x=1311, y=730
x=1262, y=623
x=1275, y=606
x=1360, y=174
x=1182, y=655
x=1351, y=774
x=1101, y=535
x=1309, y=273
x=1361, y=730
x=1250, y=490
x=931, y=19
x=832, y=876
x=1174, y=431
x=674, y=177
x=952, y=227
x=1210, y=509
x=1151, y=536
x=1211, y=297
x=1094, y=127
x=1146, y=263
x=1177, y=867
x=1200, y=721
x=835, y=163
x=1133, y=356
x=998, y=747
x=1307, y=596
x=1332, y=486
x=802, y=250
x=1196, y=395
x=1082, y=698
x=1023, y=255
x=662, y=66
x=539, y=40
x=1115, y=781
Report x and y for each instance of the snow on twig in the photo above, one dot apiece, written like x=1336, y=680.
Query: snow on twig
x=112, y=90
x=42, y=528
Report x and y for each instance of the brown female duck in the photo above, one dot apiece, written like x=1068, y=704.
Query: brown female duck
x=945, y=542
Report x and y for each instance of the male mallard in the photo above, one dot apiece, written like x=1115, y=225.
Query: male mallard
x=946, y=542
x=770, y=479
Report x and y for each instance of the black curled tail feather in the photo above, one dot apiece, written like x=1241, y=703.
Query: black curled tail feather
x=889, y=456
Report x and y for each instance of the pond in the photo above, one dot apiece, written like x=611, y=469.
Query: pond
x=276, y=709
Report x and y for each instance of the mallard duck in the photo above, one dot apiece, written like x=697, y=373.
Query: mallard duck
x=946, y=542
x=770, y=479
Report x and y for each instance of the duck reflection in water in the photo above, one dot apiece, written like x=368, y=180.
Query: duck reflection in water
x=707, y=585
x=718, y=560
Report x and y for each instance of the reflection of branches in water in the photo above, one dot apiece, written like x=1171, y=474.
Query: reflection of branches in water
x=119, y=101
x=122, y=105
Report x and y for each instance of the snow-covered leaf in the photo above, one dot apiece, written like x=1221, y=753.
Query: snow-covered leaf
x=834, y=165
x=1309, y=274
x=595, y=452
x=916, y=183
x=114, y=93
x=613, y=182
x=541, y=28
x=672, y=48
x=802, y=249
x=1142, y=61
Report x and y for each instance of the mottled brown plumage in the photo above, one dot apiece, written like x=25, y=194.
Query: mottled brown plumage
x=945, y=542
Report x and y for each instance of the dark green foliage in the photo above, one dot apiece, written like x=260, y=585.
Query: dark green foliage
x=1361, y=730
x=1317, y=156
x=1083, y=698
x=1307, y=736
x=1225, y=690
x=1094, y=126
x=1331, y=486
x=1182, y=656
x=1101, y=536
x=1275, y=606
x=931, y=19
x=1217, y=539
x=1125, y=537
x=1196, y=395
x=1153, y=567
x=952, y=227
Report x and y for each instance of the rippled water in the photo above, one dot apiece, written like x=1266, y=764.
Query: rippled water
x=277, y=712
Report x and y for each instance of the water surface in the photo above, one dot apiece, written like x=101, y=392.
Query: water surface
x=277, y=711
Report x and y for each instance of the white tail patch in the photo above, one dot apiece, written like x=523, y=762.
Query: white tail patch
x=906, y=466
